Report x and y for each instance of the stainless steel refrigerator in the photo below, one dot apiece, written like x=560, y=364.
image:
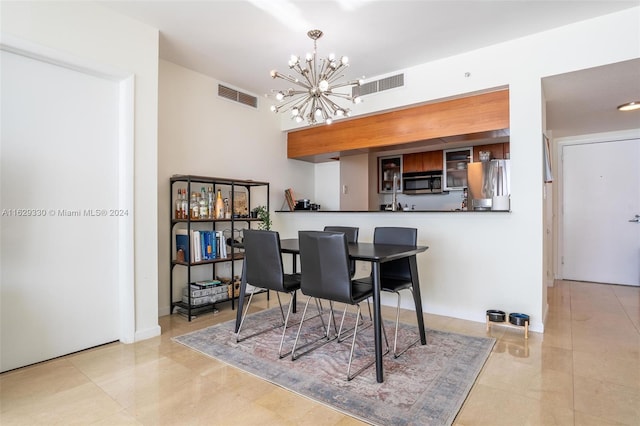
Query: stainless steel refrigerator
x=489, y=185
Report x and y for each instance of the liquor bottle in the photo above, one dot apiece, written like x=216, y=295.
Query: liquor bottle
x=194, y=206
x=178, y=212
x=219, y=209
x=185, y=204
x=227, y=210
x=211, y=203
x=204, y=205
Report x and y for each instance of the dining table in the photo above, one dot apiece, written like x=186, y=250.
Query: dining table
x=376, y=254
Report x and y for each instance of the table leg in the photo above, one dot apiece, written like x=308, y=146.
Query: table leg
x=243, y=289
x=417, y=298
x=377, y=320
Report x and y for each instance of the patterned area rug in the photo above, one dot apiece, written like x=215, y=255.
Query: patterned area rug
x=426, y=385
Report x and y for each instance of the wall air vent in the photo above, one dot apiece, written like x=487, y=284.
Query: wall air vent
x=234, y=95
x=378, y=85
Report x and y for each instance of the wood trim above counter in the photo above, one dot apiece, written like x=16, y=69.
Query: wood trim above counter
x=485, y=112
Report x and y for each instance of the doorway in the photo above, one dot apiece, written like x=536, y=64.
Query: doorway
x=600, y=201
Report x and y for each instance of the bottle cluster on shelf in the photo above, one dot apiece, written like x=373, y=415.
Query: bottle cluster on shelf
x=201, y=205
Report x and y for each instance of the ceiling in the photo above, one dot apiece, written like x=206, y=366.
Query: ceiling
x=239, y=42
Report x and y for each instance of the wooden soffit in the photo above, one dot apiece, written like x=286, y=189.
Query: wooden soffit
x=473, y=114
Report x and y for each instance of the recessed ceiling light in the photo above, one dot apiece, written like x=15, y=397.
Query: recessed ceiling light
x=629, y=106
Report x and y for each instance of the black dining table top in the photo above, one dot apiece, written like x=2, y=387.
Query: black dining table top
x=364, y=251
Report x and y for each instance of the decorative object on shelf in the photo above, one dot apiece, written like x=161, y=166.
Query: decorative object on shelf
x=239, y=203
x=291, y=201
x=263, y=214
x=318, y=82
x=219, y=208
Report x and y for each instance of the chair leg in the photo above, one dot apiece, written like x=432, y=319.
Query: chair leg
x=244, y=315
x=284, y=329
x=353, y=343
x=396, y=354
x=246, y=312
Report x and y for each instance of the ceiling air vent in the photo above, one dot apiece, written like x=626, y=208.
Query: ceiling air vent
x=234, y=95
x=378, y=85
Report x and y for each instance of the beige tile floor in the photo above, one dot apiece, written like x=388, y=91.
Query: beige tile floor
x=584, y=370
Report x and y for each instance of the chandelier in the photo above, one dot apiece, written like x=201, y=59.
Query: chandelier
x=316, y=82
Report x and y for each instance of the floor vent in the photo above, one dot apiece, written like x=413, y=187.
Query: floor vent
x=378, y=85
x=234, y=95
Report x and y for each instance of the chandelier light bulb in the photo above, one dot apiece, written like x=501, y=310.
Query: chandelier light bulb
x=328, y=121
x=345, y=60
x=280, y=96
x=295, y=111
x=323, y=86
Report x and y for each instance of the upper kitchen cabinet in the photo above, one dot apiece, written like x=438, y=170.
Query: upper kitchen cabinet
x=388, y=167
x=463, y=119
x=422, y=161
x=499, y=151
x=455, y=168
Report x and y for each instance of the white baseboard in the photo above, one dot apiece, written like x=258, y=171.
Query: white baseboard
x=148, y=333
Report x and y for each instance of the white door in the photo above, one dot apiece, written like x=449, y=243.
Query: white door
x=601, y=186
x=59, y=184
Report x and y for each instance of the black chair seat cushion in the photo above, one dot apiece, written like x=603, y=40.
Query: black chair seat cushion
x=291, y=282
x=390, y=283
x=362, y=289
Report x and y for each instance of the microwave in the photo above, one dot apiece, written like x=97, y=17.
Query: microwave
x=417, y=183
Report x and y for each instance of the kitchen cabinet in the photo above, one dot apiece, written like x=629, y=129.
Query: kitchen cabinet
x=455, y=168
x=498, y=151
x=387, y=168
x=422, y=161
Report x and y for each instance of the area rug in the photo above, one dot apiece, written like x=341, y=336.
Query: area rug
x=426, y=385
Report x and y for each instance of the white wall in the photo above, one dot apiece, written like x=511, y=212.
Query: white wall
x=203, y=134
x=94, y=34
x=480, y=261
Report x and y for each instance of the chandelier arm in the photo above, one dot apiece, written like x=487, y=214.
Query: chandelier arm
x=333, y=106
x=292, y=80
x=337, y=70
x=340, y=95
x=287, y=105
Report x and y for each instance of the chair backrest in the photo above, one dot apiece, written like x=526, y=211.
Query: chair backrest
x=399, y=236
x=352, y=237
x=324, y=262
x=263, y=259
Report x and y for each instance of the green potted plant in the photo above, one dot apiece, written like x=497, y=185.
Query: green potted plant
x=262, y=213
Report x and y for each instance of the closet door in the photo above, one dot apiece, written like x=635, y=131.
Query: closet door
x=59, y=188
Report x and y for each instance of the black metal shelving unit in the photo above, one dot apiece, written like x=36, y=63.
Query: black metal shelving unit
x=233, y=254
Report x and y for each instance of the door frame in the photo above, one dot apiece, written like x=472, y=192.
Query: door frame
x=126, y=127
x=559, y=144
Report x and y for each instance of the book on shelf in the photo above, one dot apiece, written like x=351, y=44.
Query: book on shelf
x=206, y=283
x=182, y=243
x=196, y=251
x=291, y=201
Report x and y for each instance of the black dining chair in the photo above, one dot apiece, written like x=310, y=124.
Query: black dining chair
x=324, y=259
x=395, y=275
x=263, y=269
x=352, y=237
